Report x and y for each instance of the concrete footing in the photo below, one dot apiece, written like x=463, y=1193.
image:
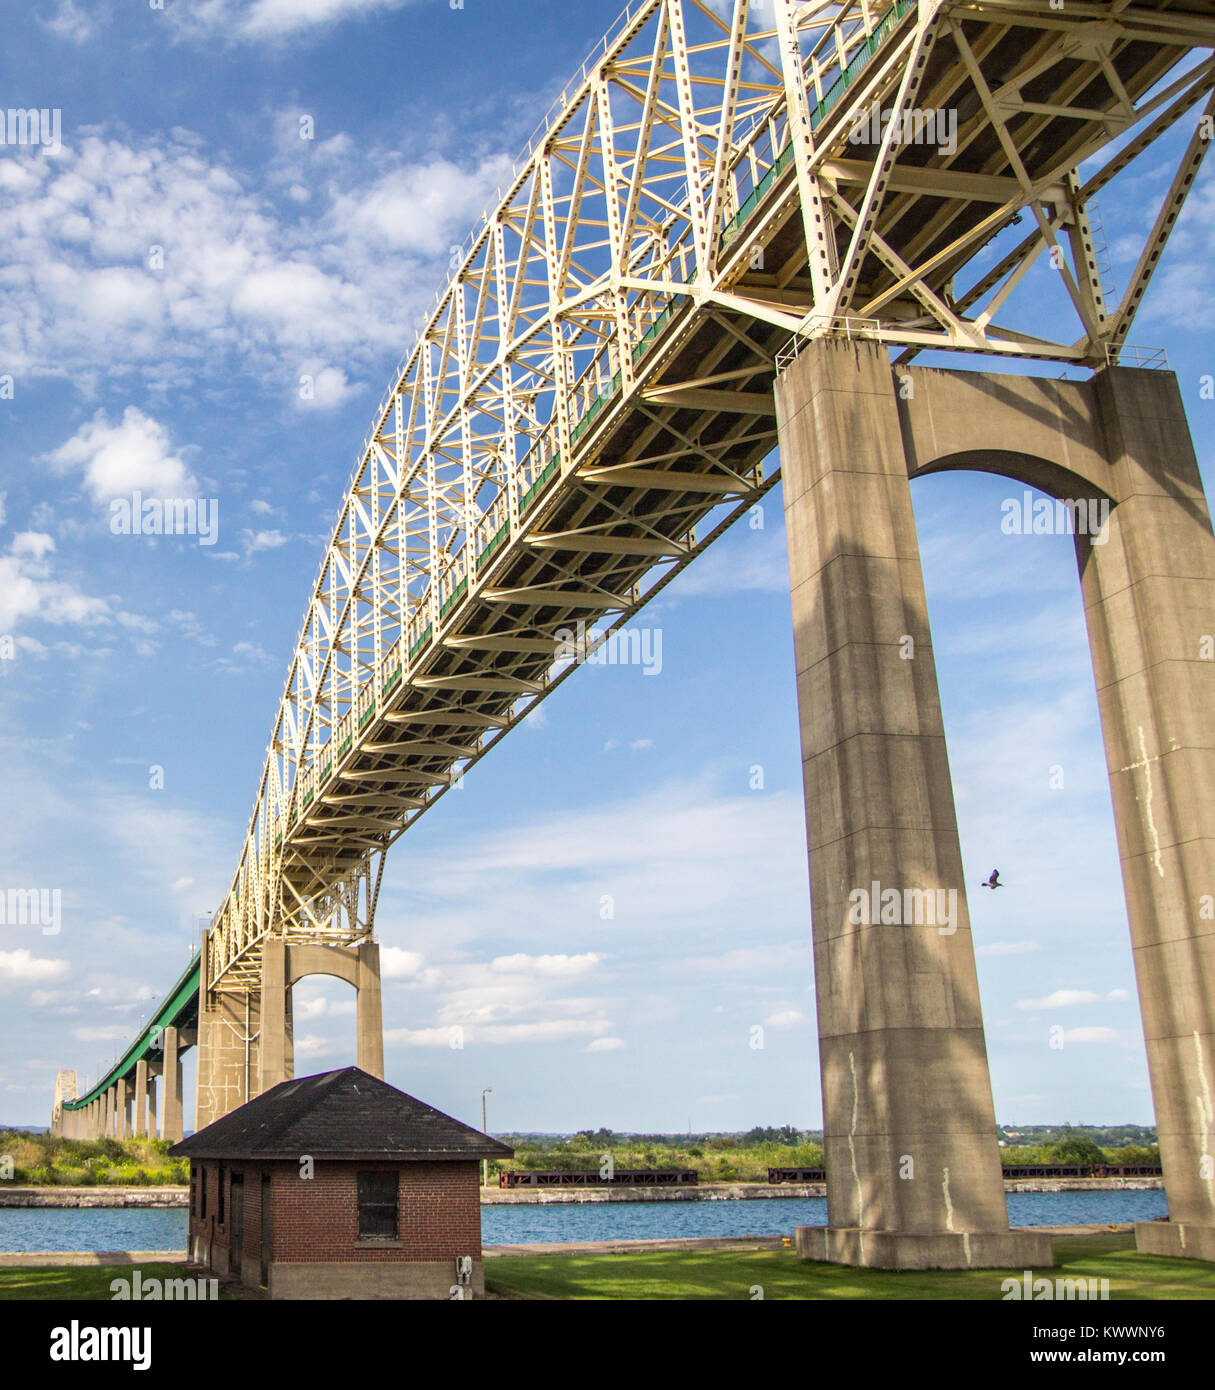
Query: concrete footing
x=1180, y=1239
x=869, y=1249
x=414, y=1279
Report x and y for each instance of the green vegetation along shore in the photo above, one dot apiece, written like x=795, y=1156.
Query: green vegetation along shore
x=45, y=1160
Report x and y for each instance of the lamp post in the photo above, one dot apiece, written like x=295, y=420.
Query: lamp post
x=485, y=1130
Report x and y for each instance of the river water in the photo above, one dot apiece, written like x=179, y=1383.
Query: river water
x=106, y=1228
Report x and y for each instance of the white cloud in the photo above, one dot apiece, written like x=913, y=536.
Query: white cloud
x=20, y=967
x=423, y=1037
x=321, y=388
x=71, y=23
x=420, y=207
x=396, y=964
x=786, y=1018
x=791, y=957
x=116, y=460
x=245, y=656
x=32, y=545
x=30, y=593
x=563, y=967
x=150, y=258
x=114, y=1032
x=1060, y=999
x=497, y=1034
x=262, y=540
x=303, y=1008
x=310, y=1045
x=605, y=1045
x=1097, y=1036
x=272, y=19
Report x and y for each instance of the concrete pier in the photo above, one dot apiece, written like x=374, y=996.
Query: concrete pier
x=246, y=1039
x=283, y=966
x=914, y=1178
x=904, y=1064
x=172, y=1120
x=140, y=1128
x=1149, y=596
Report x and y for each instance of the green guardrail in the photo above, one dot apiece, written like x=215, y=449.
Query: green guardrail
x=495, y=541
x=595, y=407
x=530, y=495
x=454, y=597
x=830, y=98
x=421, y=642
x=651, y=333
x=391, y=681
x=858, y=62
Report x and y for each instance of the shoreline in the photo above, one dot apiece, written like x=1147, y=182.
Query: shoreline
x=152, y=1198
x=53, y=1259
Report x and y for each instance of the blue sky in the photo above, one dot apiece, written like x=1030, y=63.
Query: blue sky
x=282, y=257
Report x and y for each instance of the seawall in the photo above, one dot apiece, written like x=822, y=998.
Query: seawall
x=101, y=1196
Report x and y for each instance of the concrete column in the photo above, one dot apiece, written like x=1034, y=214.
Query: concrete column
x=153, y=1132
x=229, y=1025
x=914, y=1176
x=173, y=1130
x=140, y=1130
x=272, y=1045
x=121, y=1116
x=1149, y=595
x=370, y=1017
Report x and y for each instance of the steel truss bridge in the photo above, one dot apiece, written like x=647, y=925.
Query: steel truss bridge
x=589, y=402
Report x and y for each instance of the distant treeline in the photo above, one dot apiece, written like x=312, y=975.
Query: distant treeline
x=746, y=1157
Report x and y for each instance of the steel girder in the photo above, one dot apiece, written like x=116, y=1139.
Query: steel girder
x=588, y=403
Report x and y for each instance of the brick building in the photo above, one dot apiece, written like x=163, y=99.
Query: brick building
x=339, y=1186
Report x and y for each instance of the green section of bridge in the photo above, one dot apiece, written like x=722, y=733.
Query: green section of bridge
x=178, y=1010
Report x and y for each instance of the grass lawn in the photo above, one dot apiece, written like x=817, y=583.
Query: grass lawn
x=727, y=1274
x=79, y=1281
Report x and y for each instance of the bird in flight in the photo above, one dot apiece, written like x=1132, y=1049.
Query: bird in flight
x=994, y=880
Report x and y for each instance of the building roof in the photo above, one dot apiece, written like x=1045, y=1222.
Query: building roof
x=339, y=1114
